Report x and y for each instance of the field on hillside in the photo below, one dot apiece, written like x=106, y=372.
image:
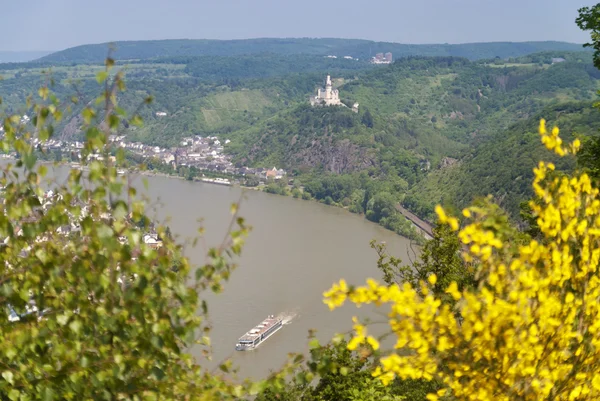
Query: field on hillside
x=222, y=109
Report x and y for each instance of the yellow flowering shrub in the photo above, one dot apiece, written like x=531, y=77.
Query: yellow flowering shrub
x=531, y=330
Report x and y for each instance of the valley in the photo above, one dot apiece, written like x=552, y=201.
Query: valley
x=425, y=132
x=415, y=213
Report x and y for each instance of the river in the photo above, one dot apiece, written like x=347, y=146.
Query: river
x=295, y=251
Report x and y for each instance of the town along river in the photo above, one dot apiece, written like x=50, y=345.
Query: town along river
x=295, y=251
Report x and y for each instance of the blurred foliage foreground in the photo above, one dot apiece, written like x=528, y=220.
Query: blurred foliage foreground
x=88, y=311
x=529, y=329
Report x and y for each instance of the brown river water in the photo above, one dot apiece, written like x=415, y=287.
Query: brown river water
x=295, y=251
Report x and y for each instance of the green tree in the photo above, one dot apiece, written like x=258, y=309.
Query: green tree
x=382, y=205
x=589, y=157
x=439, y=256
x=530, y=220
x=367, y=119
x=347, y=377
x=589, y=20
x=343, y=375
x=95, y=312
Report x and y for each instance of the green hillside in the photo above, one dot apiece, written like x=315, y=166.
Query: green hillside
x=425, y=132
x=440, y=130
x=363, y=49
x=430, y=107
x=503, y=167
x=265, y=65
x=196, y=100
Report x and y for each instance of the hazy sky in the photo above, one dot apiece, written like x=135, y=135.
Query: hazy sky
x=58, y=24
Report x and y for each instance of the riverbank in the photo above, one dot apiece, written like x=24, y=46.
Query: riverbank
x=148, y=173
x=421, y=231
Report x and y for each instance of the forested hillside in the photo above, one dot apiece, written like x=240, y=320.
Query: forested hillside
x=503, y=166
x=199, y=94
x=362, y=49
x=429, y=129
x=433, y=108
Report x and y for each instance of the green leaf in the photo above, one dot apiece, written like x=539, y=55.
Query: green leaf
x=237, y=391
x=337, y=339
x=85, y=362
x=87, y=115
x=256, y=388
x=14, y=394
x=43, y=92
x=29, y=159
x=62, y=319
x=101, y=76
x=10, y=353
x=42, y=170
x=47, y=394
x=8, y=376
x=113, y=121
x=42, y=255
x=104, y=231
x=137, y=121
x=314, y=343
x=75, y=325
x=158, y=373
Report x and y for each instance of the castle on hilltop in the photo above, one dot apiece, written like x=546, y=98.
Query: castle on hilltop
x=329, y=97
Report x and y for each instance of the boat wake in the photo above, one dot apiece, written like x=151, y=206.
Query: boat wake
x=288, y=316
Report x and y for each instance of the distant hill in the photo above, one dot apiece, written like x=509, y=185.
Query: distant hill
x=21, y=57
x=358, y=48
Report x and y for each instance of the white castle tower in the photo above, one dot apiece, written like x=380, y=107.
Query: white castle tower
x=327, y=96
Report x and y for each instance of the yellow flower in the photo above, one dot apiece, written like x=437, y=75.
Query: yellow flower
x=373, y=342
x=453, y=290
x=530, y=329
x=441, y=214
x=355, y=342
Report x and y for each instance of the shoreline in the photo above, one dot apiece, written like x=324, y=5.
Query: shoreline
x=423, y=230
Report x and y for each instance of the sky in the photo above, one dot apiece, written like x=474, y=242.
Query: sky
x=59, y=24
